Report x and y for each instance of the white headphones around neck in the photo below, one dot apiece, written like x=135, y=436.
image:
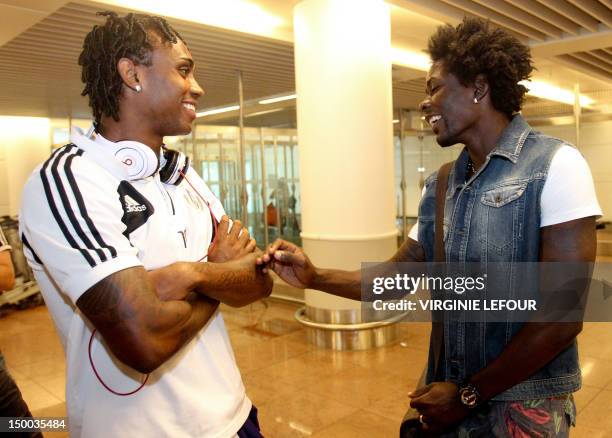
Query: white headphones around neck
x=139, y=160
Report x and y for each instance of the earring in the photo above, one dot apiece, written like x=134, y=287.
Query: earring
x=138, y=88
x=475, y=100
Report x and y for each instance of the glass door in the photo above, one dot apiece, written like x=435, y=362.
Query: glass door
x=271, y=176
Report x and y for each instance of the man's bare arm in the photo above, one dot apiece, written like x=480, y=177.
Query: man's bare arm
x=292, y=264
x=235, y=283
x=411, y=251
x=147, y=317
x=139, y=328
x=536, y=344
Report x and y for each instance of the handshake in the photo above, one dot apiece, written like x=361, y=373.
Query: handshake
x=233, y=243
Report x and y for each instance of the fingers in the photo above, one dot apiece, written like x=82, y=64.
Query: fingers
x=244, y=238
x=418, y=397
x=279, y=245
x=236, y=228
x=223, y=225
x=275, y=245
x=269, y=252
x=251, y=246
x=287, y=246
x=287, y=258
x=260, y=264
x=420, y=391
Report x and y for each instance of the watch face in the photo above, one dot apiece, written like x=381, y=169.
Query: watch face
x=469, y=397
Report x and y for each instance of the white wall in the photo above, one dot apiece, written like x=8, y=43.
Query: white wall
x=595, y=145
x=24, y=143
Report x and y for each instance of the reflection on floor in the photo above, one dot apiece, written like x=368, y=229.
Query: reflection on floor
x=300, y=390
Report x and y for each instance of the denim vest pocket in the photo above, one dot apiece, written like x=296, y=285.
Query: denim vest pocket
x=502, y=195
x=501, y=211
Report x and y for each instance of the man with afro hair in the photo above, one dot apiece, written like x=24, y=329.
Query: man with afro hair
x=513, y=195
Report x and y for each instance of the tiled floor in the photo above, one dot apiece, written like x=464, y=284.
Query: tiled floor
x=302, y=391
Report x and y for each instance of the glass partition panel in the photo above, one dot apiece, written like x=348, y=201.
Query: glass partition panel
x=271, y=175
x=422, y=157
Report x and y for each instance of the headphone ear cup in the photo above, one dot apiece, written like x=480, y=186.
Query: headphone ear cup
x=140, y=161
x=176, y=166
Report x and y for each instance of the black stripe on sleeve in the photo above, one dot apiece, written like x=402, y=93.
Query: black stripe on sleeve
x=53, y=207
x=82, y=209
x=27, y=244
x=59, y=185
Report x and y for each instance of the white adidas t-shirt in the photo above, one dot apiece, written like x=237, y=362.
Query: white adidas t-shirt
x=82, y=222
x=568, y=193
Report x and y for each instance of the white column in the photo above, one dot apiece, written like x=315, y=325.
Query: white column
x=345, y=131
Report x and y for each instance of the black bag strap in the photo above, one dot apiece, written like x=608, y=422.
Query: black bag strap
x=441, y=187
x=411, y=426
x=437, y=328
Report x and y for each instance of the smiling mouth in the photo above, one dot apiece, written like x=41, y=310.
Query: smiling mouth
x=432, y=120
x=189, y=106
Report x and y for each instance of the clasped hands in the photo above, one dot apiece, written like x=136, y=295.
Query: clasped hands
x=233, y=241
x=289, y=262
x=240, y=279
x=438, y=403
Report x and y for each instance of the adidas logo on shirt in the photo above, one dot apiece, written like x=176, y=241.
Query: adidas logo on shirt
x=136, y=208
x=131, y=206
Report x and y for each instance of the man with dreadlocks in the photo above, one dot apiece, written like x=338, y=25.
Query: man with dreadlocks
x=116, y=227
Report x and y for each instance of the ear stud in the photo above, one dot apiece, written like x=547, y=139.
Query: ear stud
x=138, y=89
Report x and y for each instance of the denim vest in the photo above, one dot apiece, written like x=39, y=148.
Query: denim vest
x=495, y=217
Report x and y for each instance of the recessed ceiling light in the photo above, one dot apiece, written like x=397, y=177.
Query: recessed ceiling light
x=548, y=91
x=277, y=99
x=217, y=111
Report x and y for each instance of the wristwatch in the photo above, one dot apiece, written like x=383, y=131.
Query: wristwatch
x=469, y=395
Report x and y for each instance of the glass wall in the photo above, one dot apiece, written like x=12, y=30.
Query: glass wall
x=271, y=176
x=421, y=157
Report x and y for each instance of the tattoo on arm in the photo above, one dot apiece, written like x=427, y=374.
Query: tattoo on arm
x=137, y=326
x=111, y=300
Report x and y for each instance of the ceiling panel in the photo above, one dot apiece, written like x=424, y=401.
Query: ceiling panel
x=40, y=75
x=41, y=64
x=556, y=29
